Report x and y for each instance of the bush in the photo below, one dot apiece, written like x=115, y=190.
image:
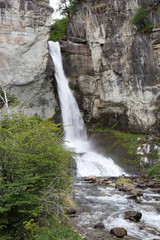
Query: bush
x=57, y=231
x=32, y=160
x=140, y=20
x=58, y=29
x=12, y=100
x=154, y=170
x=140, y=17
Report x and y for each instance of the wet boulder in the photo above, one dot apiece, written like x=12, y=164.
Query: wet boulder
x=118, y=232
x=126, y=187
x=133, y=215
x=132, y=197
x=91, y=179
x=98, y=225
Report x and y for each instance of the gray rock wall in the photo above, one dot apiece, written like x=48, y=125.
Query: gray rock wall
x=116, y=69
x=24, y=68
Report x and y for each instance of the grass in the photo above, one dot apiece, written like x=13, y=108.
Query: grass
x=54, y=229
x=57, y=231
x=147, y=28
x=122, y=181
x=128, y=140
x=154, y=171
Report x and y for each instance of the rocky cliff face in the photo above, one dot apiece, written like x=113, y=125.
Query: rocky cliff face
x=24, y=58
x=116, y=69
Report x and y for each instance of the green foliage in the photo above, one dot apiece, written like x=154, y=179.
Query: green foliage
x=58, y=29
x=32, y=161
x=140, y=17
x=153, y=155
x=12, y=100
x=122, y=180
x=68, y=8
x=128, y=140
x=146, y=29
x=154, y=170
x=140, y=20
x=57, y=231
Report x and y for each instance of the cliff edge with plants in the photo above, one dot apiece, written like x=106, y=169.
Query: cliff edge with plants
x=112, y=56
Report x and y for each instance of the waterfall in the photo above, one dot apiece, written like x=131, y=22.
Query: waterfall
x=88, y=161
x=72, y=119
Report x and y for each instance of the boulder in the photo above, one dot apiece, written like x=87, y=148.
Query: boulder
x=122, y=180
x=133, y=215
x=133, y=197
x=91, y=179
x=99, y=225
x=151, y=231
x=118, y=232
x=127, y=187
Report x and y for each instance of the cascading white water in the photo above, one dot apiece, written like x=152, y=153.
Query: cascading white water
x=88, y=161
x=70, y=113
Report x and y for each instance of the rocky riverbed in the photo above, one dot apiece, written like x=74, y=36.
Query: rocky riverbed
x=118, y=207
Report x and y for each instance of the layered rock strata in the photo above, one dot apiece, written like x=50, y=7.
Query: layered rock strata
x=24, y=69
x=115, y=69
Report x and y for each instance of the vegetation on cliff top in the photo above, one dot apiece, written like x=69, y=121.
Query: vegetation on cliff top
x=58, y=29
x=68, y=7
x=33, y=177
x=141, y=20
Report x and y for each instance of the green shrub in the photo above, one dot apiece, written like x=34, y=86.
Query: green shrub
x=140, y=17
x=57, y=230
x=140, y=20
x=58, y=29
x=146, y=29
x=12, y=100
x=154, y=170
x=32, y=162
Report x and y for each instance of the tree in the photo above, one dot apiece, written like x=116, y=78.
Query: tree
x=141, y=21
x=58, y=29
x=140, y=17
x=32, y=155
x=64, y=8
x=68, y=7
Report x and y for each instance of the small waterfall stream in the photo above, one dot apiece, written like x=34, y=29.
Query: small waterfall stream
x=98, y=203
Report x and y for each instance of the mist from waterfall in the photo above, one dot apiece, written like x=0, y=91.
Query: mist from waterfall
x=88, y=161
